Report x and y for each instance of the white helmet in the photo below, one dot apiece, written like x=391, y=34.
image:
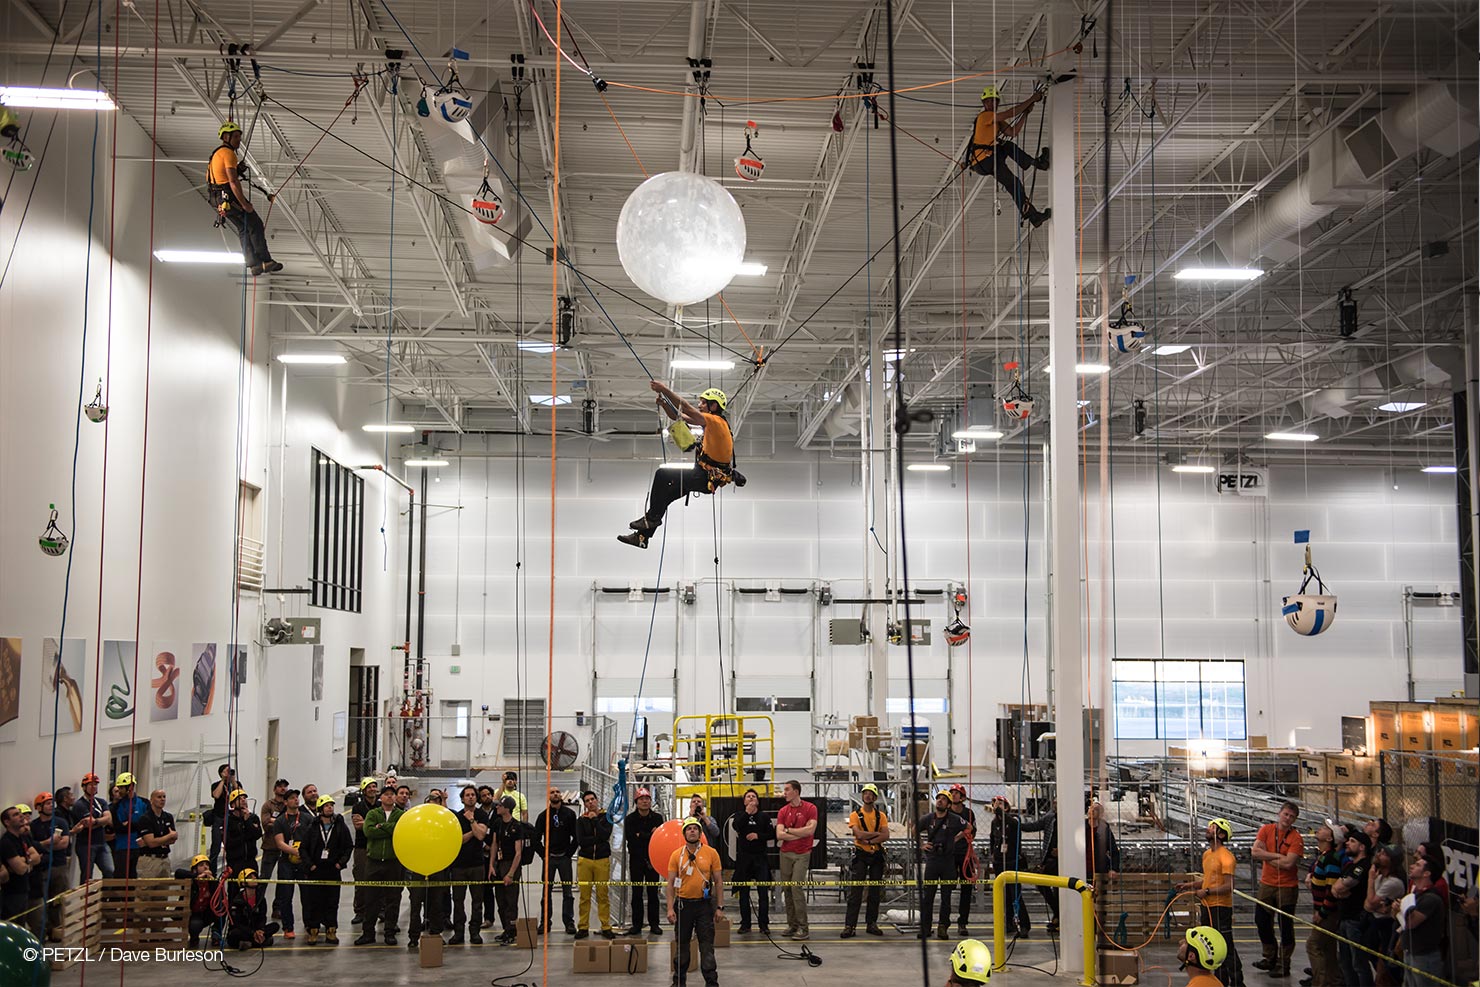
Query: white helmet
x=1309, y=614
x=1126, y=337
x=749, y=167
x=452, y=105
x=488, y=207
x=1017, y=407
x=957, y=633
x=18, y=157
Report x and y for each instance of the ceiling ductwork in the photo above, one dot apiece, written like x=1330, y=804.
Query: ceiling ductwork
x=1344, y=168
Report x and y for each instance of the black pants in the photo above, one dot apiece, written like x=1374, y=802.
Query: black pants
x=1220, y=917
x=965, y=890
x=470, y=884
x=125, y=862
x=507, y=895
x=695, y=915
x=200, y=922
x=248, y=226
x=385, y=905
x=753, y=867
x=865, y=867
x=670, y=485
x=426, y=905
x=321, y=901
x=642, y=870
x=995, y=165
x=282, y=899
x=937, y=869
x=1050, y=895
x=562, y=868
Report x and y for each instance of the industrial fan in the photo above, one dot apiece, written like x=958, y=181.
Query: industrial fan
x=559, y=751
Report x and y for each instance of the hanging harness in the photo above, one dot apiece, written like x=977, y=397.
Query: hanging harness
x=220, y=194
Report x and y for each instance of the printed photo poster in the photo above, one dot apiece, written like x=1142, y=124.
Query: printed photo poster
x=316, y=685
x=10, y=688
x=202, y=679
x=63, y=685
x=238, y=671
x=119, y=692
x=164, y=682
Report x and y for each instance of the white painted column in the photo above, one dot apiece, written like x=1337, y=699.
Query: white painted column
x=876, y=512
x=1063, y=507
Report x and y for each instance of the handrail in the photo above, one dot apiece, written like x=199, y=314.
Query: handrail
x=999, y=915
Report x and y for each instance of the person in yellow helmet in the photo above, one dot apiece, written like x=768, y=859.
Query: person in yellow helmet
x=714, y=464
x=1202, y=951
x=991, y=148
x=224, y=185
x=695, y=893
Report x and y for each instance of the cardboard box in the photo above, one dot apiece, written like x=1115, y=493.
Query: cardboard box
x=629, y=956
x=525, y=932
x=874, y=740
x=916, y=753
x=721, y=931
x=430, y=950
x=855, y=738
x=837, y=747
x=693, y=957
x=1258, y=742
x=592, y=957
x=1118, y=966
x=864, y=723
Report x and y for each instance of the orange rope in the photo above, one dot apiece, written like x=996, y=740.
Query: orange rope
x=759, y=354
x=554, y=378
x=613, y=115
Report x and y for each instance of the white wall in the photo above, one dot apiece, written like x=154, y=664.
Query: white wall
x=192, y=478
x=1211, y=591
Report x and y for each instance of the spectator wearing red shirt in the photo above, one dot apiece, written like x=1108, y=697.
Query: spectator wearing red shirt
x=1278, y=847
x=796, y=822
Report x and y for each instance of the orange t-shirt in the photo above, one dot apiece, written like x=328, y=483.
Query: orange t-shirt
x=1270, y=840
x=1201, y=978
x=690, y=875
x=719, y=444
x=222, y=168
x=1218, y=866
x=983, y=135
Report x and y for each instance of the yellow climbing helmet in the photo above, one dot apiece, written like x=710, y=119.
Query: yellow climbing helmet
x=971, y=960
x=991, y=92
x=716, y=395
x=1208, y=946
x=199, y=859
x=1223, y=826
x=246, y=874
x=229, y=127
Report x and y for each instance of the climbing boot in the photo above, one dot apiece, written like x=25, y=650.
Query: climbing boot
x=634, y=538
x=643, y=524
x=1036, y=216
x=1042, y=161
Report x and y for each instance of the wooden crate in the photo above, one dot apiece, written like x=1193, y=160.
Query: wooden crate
x=1385, y=732
x=1143, y=898
x=1416, y=725
x=1354, y=784
x=1458, y=777
x=1454, y=730
x=80, y=923
x=148, y=913
x=1315, y=786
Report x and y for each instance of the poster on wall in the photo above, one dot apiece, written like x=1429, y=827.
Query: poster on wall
x=316, y=686
x=10, y=688
x=238, y=671
x=202, y=678
x=164, y=683
x=118, y=686
x=62, y=685
x=341, y=730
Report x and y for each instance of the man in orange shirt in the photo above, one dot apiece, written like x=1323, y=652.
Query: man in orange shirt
x=695, y=893
x=991, y=148
x=1278, y=847
x=714, y=465
x=224, y=186
x=1215, y=894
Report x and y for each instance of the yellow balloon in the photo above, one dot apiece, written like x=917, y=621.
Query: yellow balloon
x=427, y=839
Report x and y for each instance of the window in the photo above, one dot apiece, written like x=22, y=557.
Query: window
x=923, y=704
x=338, y=536
x=629, y=704
x=1179, y=700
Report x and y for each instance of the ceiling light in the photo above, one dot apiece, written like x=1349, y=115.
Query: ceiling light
x=536, y=346
x=1402, y=406
x=1292, y=436
x=751, y=269
x=1218, y=274
x=1171, y=349
x=677, y=464
x=312, y=359
x=56, y=99
x=1194, y=468
x=426, y=462
x=388, y=428
x=1085, y=368
x=686, y=363
x=1441, y=469
x=894, y=355
x=970, y=434
x=550, y=400
x=198, y=256
x=928, y=467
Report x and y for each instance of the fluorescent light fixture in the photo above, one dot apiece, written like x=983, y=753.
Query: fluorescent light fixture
x=199, y=257
x=55, y=99
x=426, y=462
x=688, y=363
x=312, y=359
x=894, y=355
x=1171, y=349
x=1441, y=469
x=970, y=434
x=1194, y=468
x=751, y=269
x=536, y=346
x=1218, y=274
x=676, y=464
x=1085, y=368
x=403, y=429
x=1402, y=406
x=549, y=400
x=1292, y=436
x=928, y=467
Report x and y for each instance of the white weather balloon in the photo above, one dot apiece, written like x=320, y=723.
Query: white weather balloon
x=681, y=237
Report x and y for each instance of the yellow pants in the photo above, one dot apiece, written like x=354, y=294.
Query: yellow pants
x=591, y=882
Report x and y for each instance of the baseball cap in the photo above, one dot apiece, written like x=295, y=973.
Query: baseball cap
x=508, y=803
x=42, y=797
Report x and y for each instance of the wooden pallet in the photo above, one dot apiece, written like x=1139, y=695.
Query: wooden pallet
x=1143, y=898
x=146, y=913
x=80, y=923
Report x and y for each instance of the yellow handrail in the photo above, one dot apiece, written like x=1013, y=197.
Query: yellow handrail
x=999, y=915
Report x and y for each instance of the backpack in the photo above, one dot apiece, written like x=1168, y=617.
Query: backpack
x=531, y=837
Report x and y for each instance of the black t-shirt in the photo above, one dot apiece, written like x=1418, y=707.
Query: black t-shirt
x=1428, y=937
x=759, y=823
x=470, y=854
x=362, y=809
x=940, y=832
x=292, y=827
x=638, y=830
x=156, y=826
x=561, y=841
x=92, y=807
x=1351, y=907
x=42, y=829
x=220, y=804
x=12, y=845
x=505, y=835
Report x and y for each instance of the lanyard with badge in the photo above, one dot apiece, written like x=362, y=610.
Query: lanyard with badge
x=326, y=829
x=688, y=871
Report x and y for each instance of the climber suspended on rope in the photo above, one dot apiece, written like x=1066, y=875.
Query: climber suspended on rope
x=714, y=458
x=991, y=148
x=226, y=178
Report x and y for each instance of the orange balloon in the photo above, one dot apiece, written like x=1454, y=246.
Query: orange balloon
x=666, y=839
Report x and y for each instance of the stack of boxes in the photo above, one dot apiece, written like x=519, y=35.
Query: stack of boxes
x=630, y=956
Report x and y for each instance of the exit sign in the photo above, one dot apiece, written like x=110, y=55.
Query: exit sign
x=1245, y=482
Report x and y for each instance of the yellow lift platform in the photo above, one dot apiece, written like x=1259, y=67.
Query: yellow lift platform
x=723, y=755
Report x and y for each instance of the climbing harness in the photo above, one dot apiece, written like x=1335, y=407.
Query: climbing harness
x=1017, y=403
x=95, y=409
x=749, y=164
x=52, y=540
x=1126, y=334
x=1309, y=614
x=487, y=205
